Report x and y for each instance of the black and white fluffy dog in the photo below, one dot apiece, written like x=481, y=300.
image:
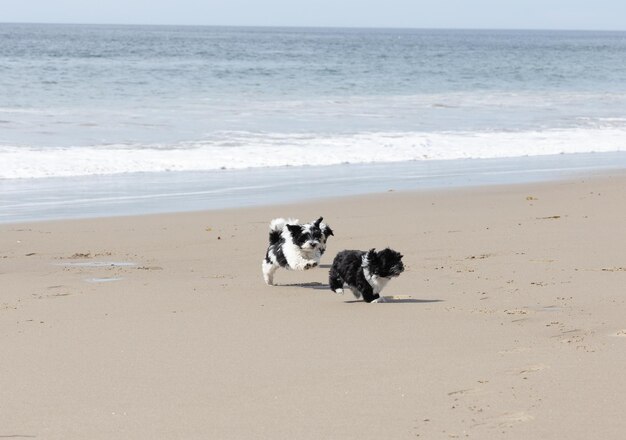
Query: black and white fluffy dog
x=294, y=246
x=365, y=273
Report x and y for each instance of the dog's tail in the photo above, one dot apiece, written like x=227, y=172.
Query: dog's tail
x=279, y=223
x=276, y=228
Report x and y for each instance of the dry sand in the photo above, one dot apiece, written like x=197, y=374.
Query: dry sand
x=510, y=322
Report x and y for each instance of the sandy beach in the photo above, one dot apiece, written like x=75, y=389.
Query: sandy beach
x=509, y=322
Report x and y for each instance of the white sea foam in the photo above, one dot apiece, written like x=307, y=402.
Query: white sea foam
x=238, y=150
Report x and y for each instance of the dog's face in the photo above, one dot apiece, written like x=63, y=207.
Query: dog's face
x=385, y=264
x=311, y=236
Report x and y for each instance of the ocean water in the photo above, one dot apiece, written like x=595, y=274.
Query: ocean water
x=95, y=101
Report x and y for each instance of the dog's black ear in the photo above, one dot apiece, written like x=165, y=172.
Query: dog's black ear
x=396, y=254
x=372, y=255
x=294, y=229
x=328, y=231
x=317, y=222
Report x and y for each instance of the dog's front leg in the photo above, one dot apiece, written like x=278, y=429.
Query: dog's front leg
x=367, y=292
x=310, y=264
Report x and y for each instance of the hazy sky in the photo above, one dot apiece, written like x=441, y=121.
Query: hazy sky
x=507, y=14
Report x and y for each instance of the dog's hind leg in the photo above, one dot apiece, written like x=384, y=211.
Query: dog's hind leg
x=334, y=281
x=268, y=271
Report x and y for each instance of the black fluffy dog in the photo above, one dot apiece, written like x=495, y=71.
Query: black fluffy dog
x=365, y=273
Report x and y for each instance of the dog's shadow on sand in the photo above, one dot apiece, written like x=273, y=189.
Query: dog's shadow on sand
x=393, y=299
x=313, y=285
x=403, y=300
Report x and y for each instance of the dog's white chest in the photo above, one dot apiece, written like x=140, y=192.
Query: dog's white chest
x=299, y=259
x=377, y=283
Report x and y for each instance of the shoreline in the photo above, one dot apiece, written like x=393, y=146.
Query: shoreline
x=508, y=321
x=154, y=193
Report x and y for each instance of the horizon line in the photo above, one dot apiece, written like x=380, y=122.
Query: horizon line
x=316, y=27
